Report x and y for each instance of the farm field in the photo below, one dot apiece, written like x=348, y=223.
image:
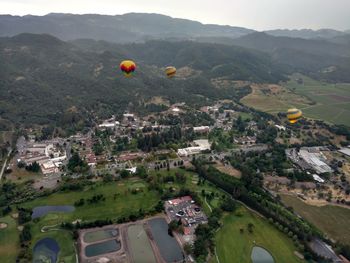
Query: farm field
x=317, y=100
x=332, y=100
x=9, y=240
x=274, y=99
x=232, y=244
x=332, y=220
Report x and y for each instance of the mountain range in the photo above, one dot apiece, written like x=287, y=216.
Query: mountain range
x=134, y=27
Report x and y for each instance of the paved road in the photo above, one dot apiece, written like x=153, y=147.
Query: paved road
x=5, y=163
x=322, y=249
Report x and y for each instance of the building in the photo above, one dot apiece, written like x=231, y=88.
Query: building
x=317, y=178
x=109, y=124
x=280, y=127
x=49, y=167
x=345, y=150
x=201, y=129
x=200, y=146
x=315, y=159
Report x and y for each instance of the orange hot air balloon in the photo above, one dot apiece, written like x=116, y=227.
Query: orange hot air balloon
x=128, y=67
x=170, y=71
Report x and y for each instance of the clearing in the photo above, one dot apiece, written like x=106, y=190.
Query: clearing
x=332, y=220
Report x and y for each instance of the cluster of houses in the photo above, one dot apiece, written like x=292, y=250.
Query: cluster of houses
x=84, y=144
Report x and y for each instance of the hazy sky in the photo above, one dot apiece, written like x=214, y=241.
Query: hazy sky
x=255, y=14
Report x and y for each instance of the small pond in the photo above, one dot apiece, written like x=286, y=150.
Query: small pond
x=40, y=211
x=102, y=248
x=168, y=246
x=46, y=250
x=260, y=255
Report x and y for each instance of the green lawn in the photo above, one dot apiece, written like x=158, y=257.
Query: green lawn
x=124, y=203
x=332, y=220
x=233, y=246
x=9, y=240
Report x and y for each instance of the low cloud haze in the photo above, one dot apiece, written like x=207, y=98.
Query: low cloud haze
x=255, y=14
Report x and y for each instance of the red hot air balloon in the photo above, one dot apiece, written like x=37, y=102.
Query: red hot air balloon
x=128, y=67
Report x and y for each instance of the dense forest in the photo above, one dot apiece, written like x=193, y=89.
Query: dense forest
x=45, y=80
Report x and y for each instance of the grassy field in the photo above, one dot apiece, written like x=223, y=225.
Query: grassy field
x=9, y=240
x=332, y=220
x=317, y=100
x=234, y=246
x=274, y=99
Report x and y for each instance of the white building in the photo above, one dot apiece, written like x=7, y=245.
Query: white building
x=201, y=145
x=280, y=127
x=109, y=124
x=345, y=151
x=317, y=178
x=201, y=129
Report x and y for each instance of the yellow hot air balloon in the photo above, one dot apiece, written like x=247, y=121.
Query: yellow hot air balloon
x=294, y=115
x=128, y=67
x=170, y=72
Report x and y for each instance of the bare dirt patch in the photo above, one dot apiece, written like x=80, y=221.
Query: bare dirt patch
x=15, y=215
x=228, y=169
x=3, y=225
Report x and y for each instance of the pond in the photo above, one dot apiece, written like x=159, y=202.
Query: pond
x=46, y=250
x=98, y=235
x=260, y=255
x=168, y=246
x=40, y=211
x=102, y=248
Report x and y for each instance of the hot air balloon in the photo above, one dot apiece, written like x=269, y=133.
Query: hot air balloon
x=170, y=72
x=294, y=115
x=128, y=67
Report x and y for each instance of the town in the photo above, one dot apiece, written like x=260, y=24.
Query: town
x=159, y=148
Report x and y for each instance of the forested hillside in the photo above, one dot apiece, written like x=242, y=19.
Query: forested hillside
x=46, y=80
x=323, y=59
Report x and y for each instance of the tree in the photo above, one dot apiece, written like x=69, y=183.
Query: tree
x=250, y=227
x=25, y=234
x=124, y=173
x=76, y=164
x=188, y=248
x=141, y=172
x=228, y=205
x=34, y=167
